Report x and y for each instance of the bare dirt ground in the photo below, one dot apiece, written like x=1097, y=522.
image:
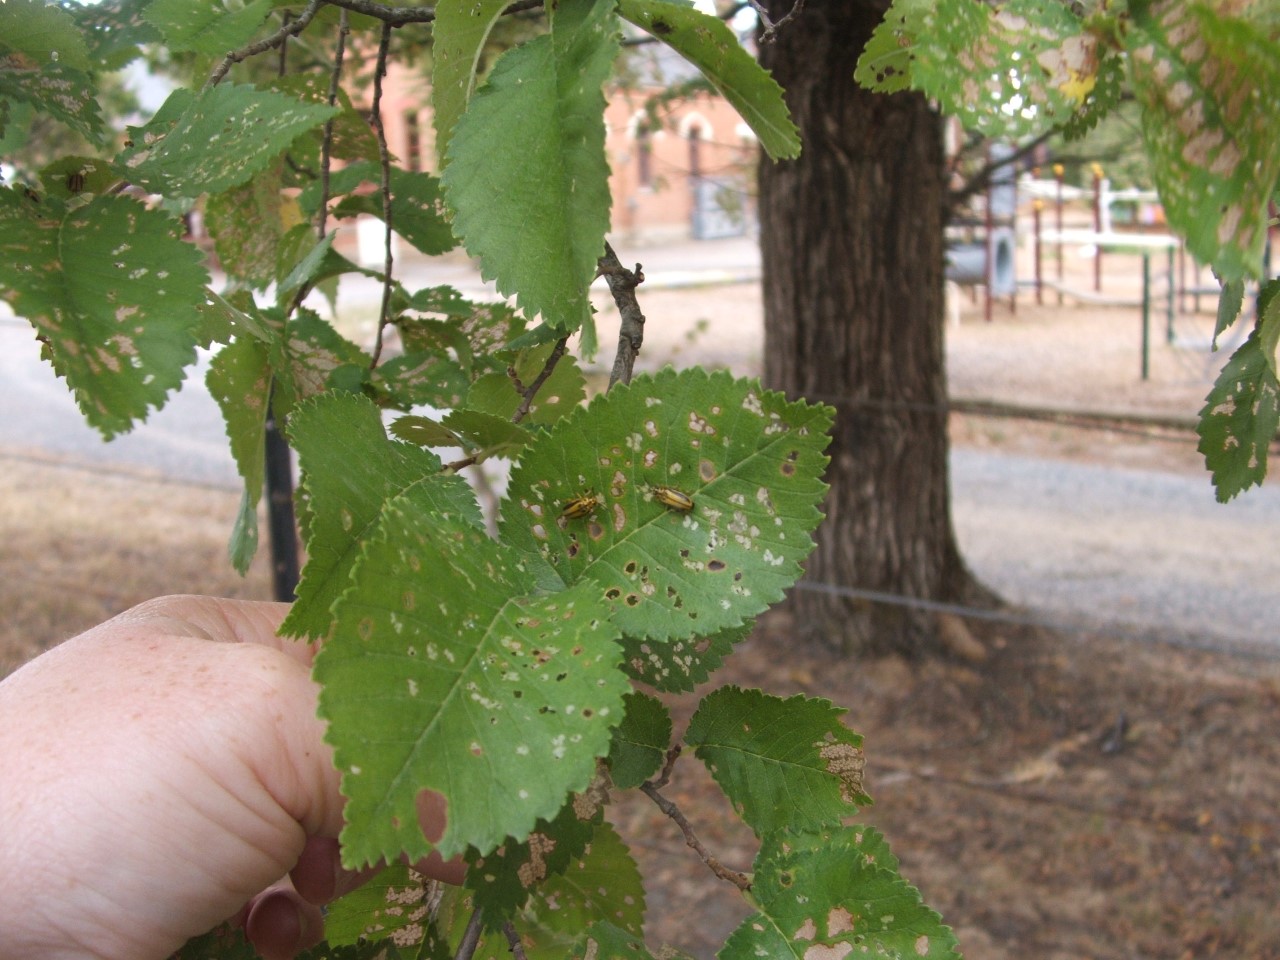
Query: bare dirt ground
x=1071, y=797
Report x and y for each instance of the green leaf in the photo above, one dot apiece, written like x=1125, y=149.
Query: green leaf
x=679, y=665
x=115, y=295
x=224, y=942
x=445, y=673
x=784, y=764
x=395, y=900
x=206, y=26
x=640, y=743
x=53, y=89
x=247, y=223
x=1210, y=90
x=307, y=357
x=457, y=43
x=44, y=32
x=1269, y=323
x=604, y=941
x=827, y=896
x=418, y=212
x=750, y=461
x=349, y=468
x=504, y=879
x=1229, y=303
x=218, y=140
x=423, y=431
x=709, y=44
x=559, y=395
x=350, y=136
x=601, y=885
x=239, y=379
x=485, y=435
x=76, y=176
x=114, y=32
x=539, y=237
x=1239, y=419
x=1006, y=70
x=421, y=378
x=885, y=64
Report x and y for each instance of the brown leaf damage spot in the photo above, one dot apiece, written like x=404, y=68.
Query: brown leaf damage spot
x=846, y=762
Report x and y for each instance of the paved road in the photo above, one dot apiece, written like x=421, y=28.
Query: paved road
x=1143, y=551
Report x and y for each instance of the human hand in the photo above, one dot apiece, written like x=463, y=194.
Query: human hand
x=159, y=774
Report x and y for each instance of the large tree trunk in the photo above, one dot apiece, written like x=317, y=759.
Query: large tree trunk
x=852, y=246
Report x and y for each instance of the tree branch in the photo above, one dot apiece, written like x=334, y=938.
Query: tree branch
x=384, y=160
x=513, y=941
x=528, y=393
x=471, y=936
x=326, y=145
x=771, y=28
x=980, y=179
x=622, y=284
x=399, y=16
x=291, y=28
x=739, y=880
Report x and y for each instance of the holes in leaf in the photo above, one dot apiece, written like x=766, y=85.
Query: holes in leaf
x=560, y=677
x=715, y=566
x=788, y=467
x=613, y=593
x=632, y=600
x=629, y=568
x=785, y=880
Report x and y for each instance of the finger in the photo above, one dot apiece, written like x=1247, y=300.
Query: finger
x=281, y=924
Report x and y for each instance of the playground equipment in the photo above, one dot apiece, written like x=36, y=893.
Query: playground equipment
x=985, y=255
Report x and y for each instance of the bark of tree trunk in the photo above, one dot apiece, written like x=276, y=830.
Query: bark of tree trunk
x=852, y=247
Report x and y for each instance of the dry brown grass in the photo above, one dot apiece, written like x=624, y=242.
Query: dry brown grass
x=82, y=545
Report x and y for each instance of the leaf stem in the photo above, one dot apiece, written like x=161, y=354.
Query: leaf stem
x=622, y=284
x=739, y=880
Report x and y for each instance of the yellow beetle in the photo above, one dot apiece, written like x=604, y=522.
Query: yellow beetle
x=673, y=498
x=580, y=506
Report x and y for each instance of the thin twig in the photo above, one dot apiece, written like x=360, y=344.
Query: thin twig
x=664, y=775
x=622, y=284
x=771, y=28
x=399, y=16
x=739, y=880
x=283, y=65
x=513, y=941
x=982, y=178
x=470, y=936
x=291, y=28
x=384, y=158
x=326, y=145
x=530, y=391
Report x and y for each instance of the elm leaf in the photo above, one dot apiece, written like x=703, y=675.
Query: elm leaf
x=784, y=764
x=748, y=461
x=115, y=294
x=446, y=672
x=539, y=238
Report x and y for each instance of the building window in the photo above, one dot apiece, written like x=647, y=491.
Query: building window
x=695, y=151
x=644, y=157
x=413, y=142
